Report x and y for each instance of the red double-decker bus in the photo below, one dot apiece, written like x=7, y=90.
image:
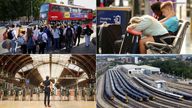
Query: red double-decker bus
x=51, y=13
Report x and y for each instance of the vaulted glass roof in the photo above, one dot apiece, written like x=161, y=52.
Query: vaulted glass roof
x=51, y=65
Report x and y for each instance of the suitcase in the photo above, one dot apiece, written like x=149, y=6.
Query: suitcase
x=108, y=34
x=130, y=44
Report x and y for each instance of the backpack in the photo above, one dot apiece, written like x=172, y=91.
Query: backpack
x=40, y=39
x=48, y=32
x=30, y=43
x=4, y=35
x=10, y=35
x=47, y=85
x=89, y=31
x=79, y=30
x=20, y=40
x=69, y=32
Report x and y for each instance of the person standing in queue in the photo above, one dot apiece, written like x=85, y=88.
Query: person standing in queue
x=31, y=45
x=78, y=34
x=69, y=34
x=12, y=35
x=56, y=36
x=87, y=32
x=47, y=84
x=42, y=41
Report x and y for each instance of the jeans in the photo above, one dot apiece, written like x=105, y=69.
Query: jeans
x=78, y=37
x=42, y=48
x=32, y=50
x=68, y=42
x=56, y=43
x=48, y=45
x=47, y=98
x=13, y=46
x=87, y=40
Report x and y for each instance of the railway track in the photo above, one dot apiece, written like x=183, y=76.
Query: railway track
x=170, y=101
x=121, y=87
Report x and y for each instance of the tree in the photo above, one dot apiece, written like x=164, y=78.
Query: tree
x=13, y=9
x=173, y=67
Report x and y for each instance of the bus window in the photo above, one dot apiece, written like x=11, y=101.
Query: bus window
x=86, y=11
x=74, y=10
x=89, y=11
x=55, y=8
x=44, y=8
x=67, y=9
x=64, y=9
x=83, y=11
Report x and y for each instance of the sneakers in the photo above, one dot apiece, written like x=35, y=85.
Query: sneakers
x=48, y=106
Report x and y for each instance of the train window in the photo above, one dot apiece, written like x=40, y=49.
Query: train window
x=55, y=8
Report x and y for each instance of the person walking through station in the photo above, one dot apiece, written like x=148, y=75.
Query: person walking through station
x=47, y=84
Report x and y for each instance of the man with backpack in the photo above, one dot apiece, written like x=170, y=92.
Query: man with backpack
x=68, y=33
x=42, y=41
x=78, y=34
x=12, y=36
x=47, y=84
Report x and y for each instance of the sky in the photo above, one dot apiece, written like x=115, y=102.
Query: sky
x=87, y=3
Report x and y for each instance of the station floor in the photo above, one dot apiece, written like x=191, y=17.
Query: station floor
x=54, y=104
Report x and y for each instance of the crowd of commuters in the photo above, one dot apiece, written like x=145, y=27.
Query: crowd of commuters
x=45, y=38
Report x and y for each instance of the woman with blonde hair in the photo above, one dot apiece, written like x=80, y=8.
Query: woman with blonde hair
x=152, y=30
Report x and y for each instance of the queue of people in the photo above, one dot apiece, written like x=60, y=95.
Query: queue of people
x=45, y=39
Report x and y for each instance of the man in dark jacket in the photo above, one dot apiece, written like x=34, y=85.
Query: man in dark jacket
x=47, y=84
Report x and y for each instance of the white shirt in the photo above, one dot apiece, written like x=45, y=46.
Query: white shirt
x=64, y=33
x=14, y=33
x=35, y=33
x=56, y=33
x=44, y=36
x=150, y=26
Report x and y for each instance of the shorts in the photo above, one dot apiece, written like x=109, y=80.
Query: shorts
x=158, y=37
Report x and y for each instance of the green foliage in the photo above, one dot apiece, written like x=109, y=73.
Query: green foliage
x=173, y=67
x=13, y=9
